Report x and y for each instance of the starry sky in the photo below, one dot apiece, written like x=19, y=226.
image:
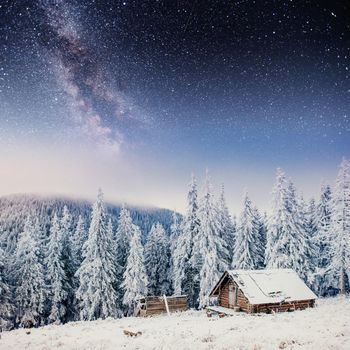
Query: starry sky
x=133, y=96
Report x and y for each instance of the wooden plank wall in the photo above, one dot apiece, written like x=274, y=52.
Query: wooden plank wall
x=156, y=305
x=223, y=298
x=283, y=307
x=223, y=294
x=242, y=301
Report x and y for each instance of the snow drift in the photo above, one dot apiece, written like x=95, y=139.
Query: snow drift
x=325, y=327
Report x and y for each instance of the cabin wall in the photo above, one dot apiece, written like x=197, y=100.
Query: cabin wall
x=223, y=299
x=283, y=307
x=223, y=294
x=242, y=301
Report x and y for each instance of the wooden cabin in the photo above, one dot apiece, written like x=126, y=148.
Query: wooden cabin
x=155, y=305
x=255, y=291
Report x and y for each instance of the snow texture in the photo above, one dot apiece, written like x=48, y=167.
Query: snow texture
x=324, y=327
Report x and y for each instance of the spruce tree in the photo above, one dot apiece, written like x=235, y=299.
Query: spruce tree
x=6, y=297
x=42, y=241
x=157, y=261
x=135, y=276
x=209, y=246
x=97, y=273
x=70, y=265
x=227, y=230
x=175, y=232
x=247, y=239
x=287, y=242
x=311, y=219
x=209, y=273
x=29, y=278
x=339, y=267
x=261, y=239
x=122, y=241
x=323, y=241
x=79, y=238
x=184, y=271
x=308, y=215
x=59, y=287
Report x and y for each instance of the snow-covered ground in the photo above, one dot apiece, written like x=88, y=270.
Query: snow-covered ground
x=325, y=327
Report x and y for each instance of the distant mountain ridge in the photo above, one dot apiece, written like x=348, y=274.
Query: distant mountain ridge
x=14, y=209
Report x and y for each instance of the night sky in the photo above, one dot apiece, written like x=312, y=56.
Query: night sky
x=133, y=96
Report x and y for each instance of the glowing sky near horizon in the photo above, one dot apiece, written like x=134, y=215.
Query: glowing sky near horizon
x=132, y=96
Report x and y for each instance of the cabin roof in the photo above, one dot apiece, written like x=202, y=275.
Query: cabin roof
x=268, y=286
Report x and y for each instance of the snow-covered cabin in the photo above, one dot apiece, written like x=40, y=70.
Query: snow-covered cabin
x=263, y=291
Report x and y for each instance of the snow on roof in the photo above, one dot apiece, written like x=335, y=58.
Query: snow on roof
x=271, y=286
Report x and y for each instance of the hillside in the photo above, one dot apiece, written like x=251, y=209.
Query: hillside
x=325, y=327
x=15, y=208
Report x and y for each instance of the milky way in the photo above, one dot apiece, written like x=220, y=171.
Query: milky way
x=184, y=84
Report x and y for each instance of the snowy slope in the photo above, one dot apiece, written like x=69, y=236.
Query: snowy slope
x=325, y=327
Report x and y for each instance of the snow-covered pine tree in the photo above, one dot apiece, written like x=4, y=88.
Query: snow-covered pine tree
x=246, y=252
x=234, y=222
x=303, y=247
x=207, y=245
x=6, y=297
x=184, y=271
x=287, y=242
x=135, y=276
x=339, y=268
x=57, y=279
x=157, y=261
x=29, y=277
x=79, y=238
x=70, y=265
x=227, y=229
x=175, y=232
x=323, y=240
x=308, y=215
x=304, y=262
x=261, y=241
x=122, y=242
x=209, y=273
x=42, y=241
x=311, y=219
x=97, y=273
x=276, y=223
